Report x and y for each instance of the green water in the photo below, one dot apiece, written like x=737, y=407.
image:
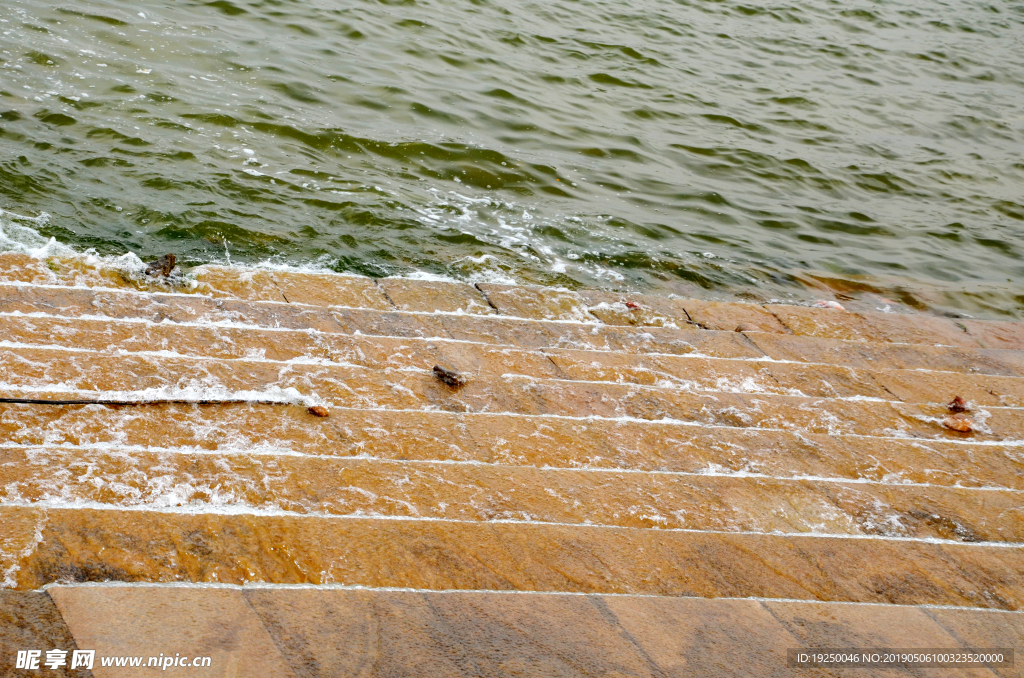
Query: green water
x=762, y=150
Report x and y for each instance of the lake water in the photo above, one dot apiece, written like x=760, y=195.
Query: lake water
x=795, y=150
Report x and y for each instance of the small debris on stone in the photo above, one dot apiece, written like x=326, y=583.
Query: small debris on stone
x=450, y=377
x=829, y=304
x=746, y=327
x=959, y=422
x=162, y=267
x=318, y=410
x=633, y=305
x=958, y=405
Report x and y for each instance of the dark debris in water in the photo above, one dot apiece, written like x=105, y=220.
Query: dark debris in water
x=450, y=377
x=957, y=405
x=162, y=267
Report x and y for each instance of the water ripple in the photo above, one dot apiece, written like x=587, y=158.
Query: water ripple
x=788, y=150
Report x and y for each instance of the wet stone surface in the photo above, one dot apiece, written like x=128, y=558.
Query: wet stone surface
x=29, y=620
x=591, y=443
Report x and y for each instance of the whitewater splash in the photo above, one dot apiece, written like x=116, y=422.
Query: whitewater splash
x=19, y=234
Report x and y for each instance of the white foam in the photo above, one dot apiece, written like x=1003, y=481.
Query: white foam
x=272, y=450
x=18, y=234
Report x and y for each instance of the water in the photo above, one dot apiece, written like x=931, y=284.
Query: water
x=793, y=150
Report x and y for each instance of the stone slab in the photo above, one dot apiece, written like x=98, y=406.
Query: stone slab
x=376, y=633
x=389, y=324
x=692, y=637
x=19, y=536
x=239, y=283
x=113, y=303
x=984, y=630
x=730, y=317
x=517, y=441
x=30, y=621
x=325, y=289
x=635, y=309
x=314, y=289
x=883, y=356
x=154, y=621
x=430, y=296
x=476, y=492
x=996, y=334
x=385, y=633
x=538, y=303
x=15, y=267
x=358, y=387
x=149, y=546
x=873, y=327
x=874, y=626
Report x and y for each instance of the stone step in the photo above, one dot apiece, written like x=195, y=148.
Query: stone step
x=869, y=355
x=914, y=328
x=484, y=359
x=133, y=478
x=205, y=311
x=540, y=303
x=487, y=330
x=53, y=373
x=161, y=308
x=78, y=544
x=309, y=632
x=314, y=289
x=333, y=290
x=511, y=440
x=816, y=380
x=650, y=310
x=343, y=632
x=29, y=620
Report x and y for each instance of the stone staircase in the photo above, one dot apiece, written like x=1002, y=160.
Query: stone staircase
x=686, y=487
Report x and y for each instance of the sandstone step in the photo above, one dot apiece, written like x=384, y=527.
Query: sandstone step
x=320, y=485
x=996, y=334
x=899, y=328
x=641, y=310
x=484, y=359
x=116, y=545
x=315, y=289
x=633, y=309
x=869, y=355
x=328, y=290
x=49, y=373
x=432, y=296
x=816, y=380
x=524, y=335
x=538, y=303
x=373, y=633
x=271, y=344
x=541, y=303
x=160, y=307
x=598, y=447
x=21, y=268
x=517, y=441
x=29, y=620
x=179, y=308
